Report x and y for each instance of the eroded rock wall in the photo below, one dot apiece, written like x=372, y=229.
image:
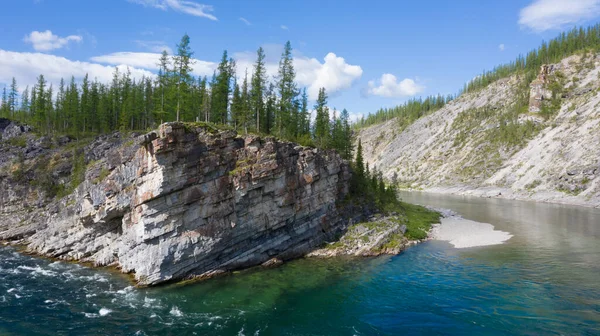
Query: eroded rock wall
x=188, y=200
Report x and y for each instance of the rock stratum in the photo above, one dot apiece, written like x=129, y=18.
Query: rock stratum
x=185, y=201
x=521, y=139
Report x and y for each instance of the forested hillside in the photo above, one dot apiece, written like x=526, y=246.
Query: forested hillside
x=529, y=129
x=257, y=104
x=564, y=45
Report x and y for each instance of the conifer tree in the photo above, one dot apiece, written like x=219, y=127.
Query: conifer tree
x=12, y=97
x=236, y=106
x=163, y=81
x=4, y=109
x=220, y=91
x=286, y=87
x=322, y=120
x=244, y=105
x=182, y=64
x=40, y=104
x=258, y=83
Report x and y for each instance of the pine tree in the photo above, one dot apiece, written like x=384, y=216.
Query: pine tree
x=359, y=176
x=40, y=104
x=245, y=104
x=286, y=87
x=236, y=105
x=220, y=91
x=304, y=123
x=12, y=97
x=257, y=92
x=346, y=150
x=270, y=110
x=85, y=103
x=25, y=102
x=4, y=108
x=337, y=133
x=322, y=129
x=182, y=63
x=163, y=85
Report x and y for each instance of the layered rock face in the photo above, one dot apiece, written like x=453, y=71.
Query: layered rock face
x=480, y=144
x=189, y=201
x=538, y=91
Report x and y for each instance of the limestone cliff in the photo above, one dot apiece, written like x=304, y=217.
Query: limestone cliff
x=499, y=141
x=181, y=202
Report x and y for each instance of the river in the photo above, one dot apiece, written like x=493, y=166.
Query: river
x=544, y=280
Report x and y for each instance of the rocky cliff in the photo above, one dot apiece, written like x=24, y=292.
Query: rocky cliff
x=182, y=202
x=536, y=140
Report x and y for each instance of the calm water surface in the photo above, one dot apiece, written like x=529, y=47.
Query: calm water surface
x=543, y=281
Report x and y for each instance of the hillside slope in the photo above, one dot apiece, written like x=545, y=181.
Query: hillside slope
x=488, y=143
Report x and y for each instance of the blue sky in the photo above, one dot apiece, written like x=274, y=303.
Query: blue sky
x=367, y=54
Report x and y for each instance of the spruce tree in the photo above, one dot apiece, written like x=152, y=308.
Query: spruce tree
x=286, y=87
x=4, y=108
x=220, y=91
x=346, y=150
x=322, y=128
x=12, y=97
x=182, y=64
x=245, y=105
x=163, y=81
x=258, y=83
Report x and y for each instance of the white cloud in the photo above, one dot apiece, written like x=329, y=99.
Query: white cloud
x=284, y=27
x=25, y=67
x=182, y=6
x=334, y=74
x=154, y=46
x=46, y=41
x=501, y=47
x=542, y=15
x=245, y=21
x=391, y=88
x=149, y=61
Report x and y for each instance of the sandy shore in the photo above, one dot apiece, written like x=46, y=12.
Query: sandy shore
x=505, y=193
x=464, y=233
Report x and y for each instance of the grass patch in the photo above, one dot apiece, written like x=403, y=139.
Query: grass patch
x=103, y=174
x=18, y=141
x=418, y=220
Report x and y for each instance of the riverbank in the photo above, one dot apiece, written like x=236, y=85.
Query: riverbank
x=383, y=234
x=553, y=197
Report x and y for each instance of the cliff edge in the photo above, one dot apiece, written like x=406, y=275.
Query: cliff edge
x=181, y=202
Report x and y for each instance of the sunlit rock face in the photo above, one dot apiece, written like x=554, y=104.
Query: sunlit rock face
x=190, y=201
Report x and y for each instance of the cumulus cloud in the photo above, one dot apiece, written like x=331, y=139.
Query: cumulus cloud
x=284, y=27
x=25, y=67
x=501, y=47
x=182, y=6
x=47, y=41
x=149, y=61
x=391, y=88
x=542, y=15
x=245, y=21
x=334, y=73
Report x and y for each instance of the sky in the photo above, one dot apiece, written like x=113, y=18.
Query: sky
x=367, y=55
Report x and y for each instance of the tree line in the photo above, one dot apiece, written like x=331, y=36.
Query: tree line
x=256, y=104
x=406, y=113
x=564, y=45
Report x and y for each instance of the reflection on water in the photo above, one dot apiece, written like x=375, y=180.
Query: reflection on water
x=544, y=280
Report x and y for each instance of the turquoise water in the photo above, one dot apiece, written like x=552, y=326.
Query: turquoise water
x=544, y=280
